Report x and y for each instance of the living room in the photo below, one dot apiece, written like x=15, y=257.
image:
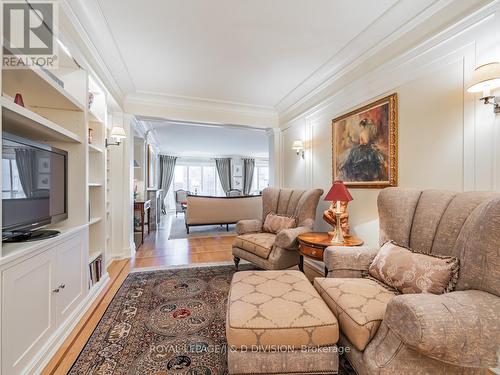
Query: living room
x=233, y=187
x=200, y=153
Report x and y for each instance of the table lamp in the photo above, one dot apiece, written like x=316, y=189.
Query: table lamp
x=338, y=193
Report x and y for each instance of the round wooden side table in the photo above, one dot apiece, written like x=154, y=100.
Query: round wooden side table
x=313, y=245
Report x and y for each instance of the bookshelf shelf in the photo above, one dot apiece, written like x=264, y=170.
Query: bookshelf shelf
x=94, y=255
x=95, y=184
x=94, y=148
x=94, y=220
x=20, y=120
x=39, y=89
x=94, y=117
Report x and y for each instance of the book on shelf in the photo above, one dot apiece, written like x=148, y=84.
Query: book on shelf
x=95, y=271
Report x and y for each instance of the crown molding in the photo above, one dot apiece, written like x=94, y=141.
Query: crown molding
x=156, y=122
x=215, y=111
x=353, y=59
x=92, y=29
x=190, y=102
x=447, y=32
x=389, y=27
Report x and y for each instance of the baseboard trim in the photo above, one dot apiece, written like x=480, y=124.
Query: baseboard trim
x=61, y=334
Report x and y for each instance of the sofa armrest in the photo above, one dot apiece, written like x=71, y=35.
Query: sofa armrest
x=459, y=328
x=348, y=261
x=287, y=238
x=248, y=226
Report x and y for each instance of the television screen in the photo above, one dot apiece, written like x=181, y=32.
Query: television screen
x=33, y=184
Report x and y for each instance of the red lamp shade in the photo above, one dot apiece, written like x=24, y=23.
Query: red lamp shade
x=338, y=192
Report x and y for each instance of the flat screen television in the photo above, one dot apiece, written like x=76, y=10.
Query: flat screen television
x=34, y=188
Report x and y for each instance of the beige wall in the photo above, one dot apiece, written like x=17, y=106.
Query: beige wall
x=447, y=138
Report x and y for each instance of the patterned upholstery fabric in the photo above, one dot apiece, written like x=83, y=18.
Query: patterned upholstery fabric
x=278, y=259
x=287, y=238
x=396, y=208
x=316, y=362
x=347, y=261
x=276, y=223
x=248, y=226
x=411, y=272
x=300, y=204
x=450, y=333
x=358, y=304
x=277, y=308
x=430, y=208
x=457, y=327
x=387, y=355
x=453, y=220
x=259, y=244
x=478, y=249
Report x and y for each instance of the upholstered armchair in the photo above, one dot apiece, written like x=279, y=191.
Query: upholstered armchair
x=276, y=251
x=451, y=333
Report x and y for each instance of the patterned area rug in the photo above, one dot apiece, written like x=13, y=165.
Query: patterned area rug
x=164, y=322
x=178, y=230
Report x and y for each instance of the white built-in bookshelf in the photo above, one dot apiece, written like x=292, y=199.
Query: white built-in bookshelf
x=46, y=286
x=97, y=128
x=57, y=112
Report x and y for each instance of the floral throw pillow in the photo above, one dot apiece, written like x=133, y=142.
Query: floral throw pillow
x=276, y=223
x=411, y=272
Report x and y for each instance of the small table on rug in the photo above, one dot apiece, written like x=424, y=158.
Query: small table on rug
x=144, y=209
x=313, y=245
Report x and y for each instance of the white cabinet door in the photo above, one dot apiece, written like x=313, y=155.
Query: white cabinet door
x=70, y=275
x=28, y=317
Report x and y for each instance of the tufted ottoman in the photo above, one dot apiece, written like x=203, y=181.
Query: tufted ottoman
x=278, y=324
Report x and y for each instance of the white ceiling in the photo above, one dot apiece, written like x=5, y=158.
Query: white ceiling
x=245, y=51
x=183, y=139
x=246, y=62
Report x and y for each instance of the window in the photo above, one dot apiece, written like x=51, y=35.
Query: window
x=11, y=184
x=201, y=179
x=260, y=176
x=180, y=177
x=195, y=179
x=209, y=187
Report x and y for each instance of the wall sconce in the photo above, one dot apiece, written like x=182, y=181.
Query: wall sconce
x=118, y=134
x=298, y=146
x=484, y=79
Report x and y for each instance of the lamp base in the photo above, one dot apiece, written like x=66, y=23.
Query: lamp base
x=338, y=236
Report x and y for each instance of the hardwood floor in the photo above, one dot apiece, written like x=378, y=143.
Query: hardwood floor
x=156, y=251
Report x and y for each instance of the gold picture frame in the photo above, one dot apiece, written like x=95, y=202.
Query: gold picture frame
x=365, y=145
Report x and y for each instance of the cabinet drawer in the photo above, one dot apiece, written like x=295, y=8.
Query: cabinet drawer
x=310, y=251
